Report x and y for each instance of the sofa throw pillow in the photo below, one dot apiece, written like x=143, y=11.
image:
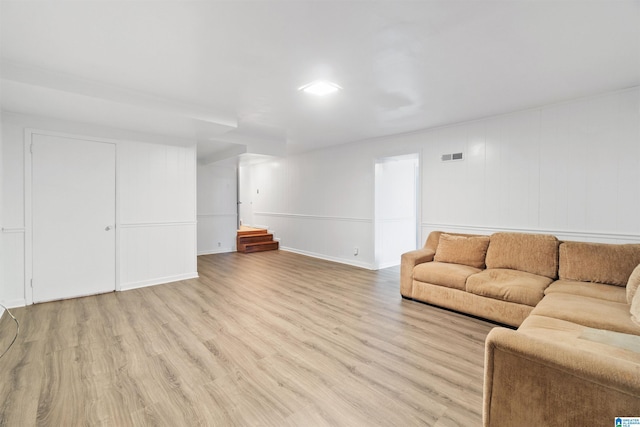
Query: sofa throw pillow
x=463, y=250
x=635, y=309
x=633, y=284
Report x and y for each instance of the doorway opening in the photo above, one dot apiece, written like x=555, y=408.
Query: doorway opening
x=396, y=208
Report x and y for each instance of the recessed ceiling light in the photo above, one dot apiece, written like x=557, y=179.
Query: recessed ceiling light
x=320, y=88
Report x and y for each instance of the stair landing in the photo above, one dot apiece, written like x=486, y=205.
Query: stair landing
x=251, y=239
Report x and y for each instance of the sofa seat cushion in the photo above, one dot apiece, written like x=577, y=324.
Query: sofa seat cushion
x=587, y=311
x=509, y=285
x=569, y=334
x=588, y=289
x=444, y=274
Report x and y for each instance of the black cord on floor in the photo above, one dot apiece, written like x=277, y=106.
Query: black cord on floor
x=17, y=330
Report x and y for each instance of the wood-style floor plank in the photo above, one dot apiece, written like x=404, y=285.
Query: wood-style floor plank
x=264, y=339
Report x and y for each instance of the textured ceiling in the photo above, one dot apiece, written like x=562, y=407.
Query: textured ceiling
x=226, y=73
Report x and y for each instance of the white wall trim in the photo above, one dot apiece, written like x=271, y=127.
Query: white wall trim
x=577, y=235
x=158, y=281
x=218, y=215
x=28, y=240
x=368, y=266
x=314, y=217
x=194, y=212
x=156, y=224
x=13, y=230
x=225, y=250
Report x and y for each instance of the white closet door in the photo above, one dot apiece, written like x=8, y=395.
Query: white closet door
x=73, y=217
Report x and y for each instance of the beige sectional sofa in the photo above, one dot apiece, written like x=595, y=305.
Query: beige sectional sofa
x=575, y=356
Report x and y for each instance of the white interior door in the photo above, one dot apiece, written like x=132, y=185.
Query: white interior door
x=245, y=196
x=73, y=217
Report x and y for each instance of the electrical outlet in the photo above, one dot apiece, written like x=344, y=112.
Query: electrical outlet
x=355, y=251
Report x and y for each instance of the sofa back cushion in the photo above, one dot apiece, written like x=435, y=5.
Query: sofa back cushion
x=463, y=250
x=598, y=262
x=533, y=253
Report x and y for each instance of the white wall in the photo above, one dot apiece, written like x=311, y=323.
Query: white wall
x=13, y=231
x=315, y=205
x=217, y=208
x=570, y=169
x=156, y=206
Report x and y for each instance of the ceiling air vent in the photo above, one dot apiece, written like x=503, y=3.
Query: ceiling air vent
x=450, y=157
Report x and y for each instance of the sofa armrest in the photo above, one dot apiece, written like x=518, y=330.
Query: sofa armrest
x=530, y=381
x=407, y=262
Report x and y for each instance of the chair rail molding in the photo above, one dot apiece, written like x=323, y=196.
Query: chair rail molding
x=13, y=230
x=314, y=217
x=594, y=236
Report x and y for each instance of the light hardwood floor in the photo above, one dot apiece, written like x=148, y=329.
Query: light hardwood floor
x=269, y=339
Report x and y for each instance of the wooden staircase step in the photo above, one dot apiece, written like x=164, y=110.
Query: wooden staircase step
x=251, y=239
x=252, y=231
x=243, y=241
x=261, y=247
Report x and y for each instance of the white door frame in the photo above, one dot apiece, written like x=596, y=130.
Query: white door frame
x=418, y=200
x=28, y=209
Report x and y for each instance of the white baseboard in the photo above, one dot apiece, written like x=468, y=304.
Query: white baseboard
x=157, y=281
x=389, y=264
x=368, y=266
x=13, y=303
x=216, y=251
